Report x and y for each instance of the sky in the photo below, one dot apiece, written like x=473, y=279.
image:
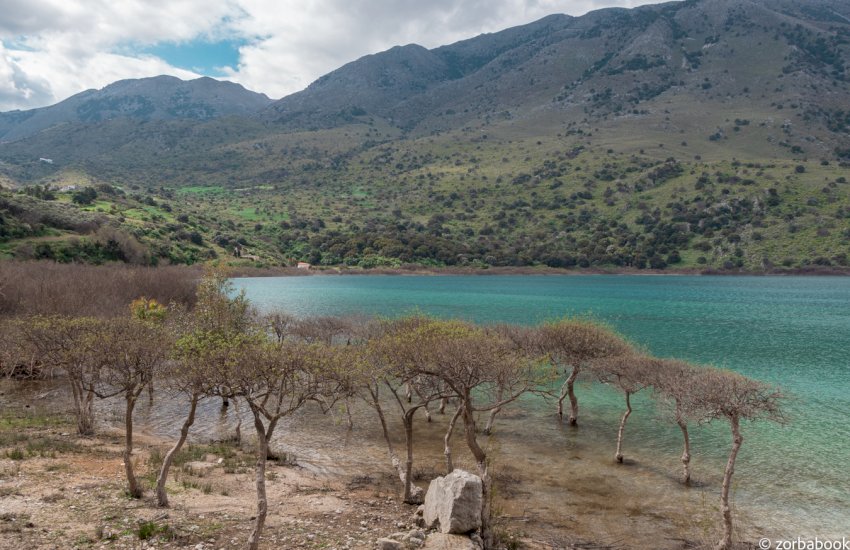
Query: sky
x=52, y=49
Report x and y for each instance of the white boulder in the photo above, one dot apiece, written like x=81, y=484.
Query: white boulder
x=454, y=501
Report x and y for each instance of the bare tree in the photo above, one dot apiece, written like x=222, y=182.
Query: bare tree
x=346, y=330
x=206, y=339
x=63, y=343
x=728, y=395
x=390, y=364
x=570, y=344
x=477, y=366
x=674, y=383
x=129, y=354
x=525, y=341
x=280, y=324
x=275, y=380
x=629, y=374
x=325, y=329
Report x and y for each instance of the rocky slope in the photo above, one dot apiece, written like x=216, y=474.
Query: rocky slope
x=144, y=99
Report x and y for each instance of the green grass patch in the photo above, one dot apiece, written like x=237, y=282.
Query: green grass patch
x=13, y=422
x=203, y=190
x=149, y=529
x=98, y=206
x=15, y=454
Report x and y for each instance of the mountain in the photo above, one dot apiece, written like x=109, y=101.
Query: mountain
x=714, y=54
x=144, y=99
x=702, y=134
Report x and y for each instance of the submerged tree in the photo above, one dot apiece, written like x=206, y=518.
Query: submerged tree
x=675, y=384
x=388, y=363
x=64, y=343
x=484, y=371
x=629, y=374
x=570, y=345
x=525, y=341
x=730, y=396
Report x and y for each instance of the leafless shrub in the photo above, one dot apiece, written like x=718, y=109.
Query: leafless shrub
x=727, y=395
x=483, y=370
x=126, y=355
x=47, y=288
x=127, y=246
x=675, y=384
x=629, y=374
x=571, y=344
x=18, y=358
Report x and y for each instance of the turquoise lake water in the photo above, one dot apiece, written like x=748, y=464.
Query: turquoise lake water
x=790, y=331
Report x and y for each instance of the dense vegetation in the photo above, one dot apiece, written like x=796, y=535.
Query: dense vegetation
x=703, y=135
x=574, y=208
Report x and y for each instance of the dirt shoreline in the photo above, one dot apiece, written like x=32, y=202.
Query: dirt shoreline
x=75, y=498
x=59, y=490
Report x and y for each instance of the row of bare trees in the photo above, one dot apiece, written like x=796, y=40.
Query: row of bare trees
x=276, y=364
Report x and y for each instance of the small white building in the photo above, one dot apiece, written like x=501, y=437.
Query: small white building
x=303, y=265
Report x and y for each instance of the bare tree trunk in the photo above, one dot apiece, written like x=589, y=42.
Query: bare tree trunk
x=447, y=448
x=86, y=424
x=481, y=461
x=396, y=462
x=686, y=452
x=133, y=486
x=238, y=422
x=83, y=405
x=488, y=429
x=619, y=454
x=427, y=413
x=573, y=400
x=260, y=476
x=442, y=408
x=161, y=495
x=561, y=397
x=348, y=414
x=726, y=541
x=150, y=392
x=412, y=493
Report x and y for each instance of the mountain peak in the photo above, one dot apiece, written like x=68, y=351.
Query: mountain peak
x=160, y=97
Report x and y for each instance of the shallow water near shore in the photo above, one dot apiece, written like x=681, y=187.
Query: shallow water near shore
x=558, y=483
x=791, y=331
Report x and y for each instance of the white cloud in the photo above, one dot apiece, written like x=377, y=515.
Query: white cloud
x=55, y=48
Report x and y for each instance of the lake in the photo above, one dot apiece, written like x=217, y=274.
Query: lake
x=791, y=331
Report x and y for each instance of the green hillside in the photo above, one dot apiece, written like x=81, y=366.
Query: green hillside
x=698, y=134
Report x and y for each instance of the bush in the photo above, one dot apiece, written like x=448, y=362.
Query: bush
x=49, y=288
x=85, y=196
